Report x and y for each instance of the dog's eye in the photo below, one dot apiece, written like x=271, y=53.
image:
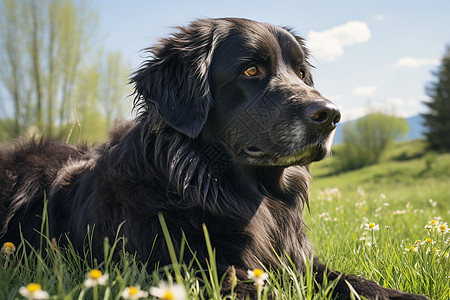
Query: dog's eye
x=301, y=74
x=251, y=72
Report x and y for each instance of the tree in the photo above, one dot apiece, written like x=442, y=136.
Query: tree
x=41, y=47
x=365, y=140
x=10, y=60
x=101, y=89
x=438, y=119
x=112, y=86
x=50, y=70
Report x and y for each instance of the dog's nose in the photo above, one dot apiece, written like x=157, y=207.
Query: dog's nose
x=323, y=114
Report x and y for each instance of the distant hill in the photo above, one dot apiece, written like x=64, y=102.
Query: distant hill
x=415, y=125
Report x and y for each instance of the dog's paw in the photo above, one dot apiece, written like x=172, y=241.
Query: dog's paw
x=236, y=282
x=397, y=295
x=373, y=291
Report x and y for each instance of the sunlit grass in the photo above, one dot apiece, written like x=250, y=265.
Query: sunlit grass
x=400, y=197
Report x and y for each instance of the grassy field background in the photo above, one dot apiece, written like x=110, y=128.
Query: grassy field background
x=405, y=191
x=402, y=194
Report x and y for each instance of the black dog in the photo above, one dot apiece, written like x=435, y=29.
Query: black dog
x=228, y=123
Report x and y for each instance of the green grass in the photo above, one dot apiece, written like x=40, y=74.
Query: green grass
x=393, y=193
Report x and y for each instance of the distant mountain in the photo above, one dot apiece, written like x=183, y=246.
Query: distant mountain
x=415, y=125
x=416, y=128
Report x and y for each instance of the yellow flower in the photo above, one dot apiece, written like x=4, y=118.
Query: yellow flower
x=443, y=227
x=95, y=277
x=33, y=291
x=168, y=292
x=134, y=293
x=8, y=248
x=258, y=276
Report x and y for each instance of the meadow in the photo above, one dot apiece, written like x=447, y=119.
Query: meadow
x=387, y=222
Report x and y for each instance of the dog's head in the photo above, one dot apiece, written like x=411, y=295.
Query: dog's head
x=241, y=84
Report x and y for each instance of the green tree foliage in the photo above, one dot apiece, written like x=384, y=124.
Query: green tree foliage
x=50, y=69
x=438, y=119
x=365, y=140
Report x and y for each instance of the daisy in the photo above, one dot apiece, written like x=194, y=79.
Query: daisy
x=33, y=291
x=372, y=227
x=95, y=277
x=443, y=227
x=168, y=292
x=429, y=241
x=412, y=249
x=429, y=227
x=134, y=293
x=258, y=276
x=433, y=223
x=8, y=248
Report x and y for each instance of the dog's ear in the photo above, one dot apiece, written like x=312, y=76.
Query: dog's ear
x=175, y=78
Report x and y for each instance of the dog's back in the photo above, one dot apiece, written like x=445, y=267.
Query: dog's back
x=27, y=170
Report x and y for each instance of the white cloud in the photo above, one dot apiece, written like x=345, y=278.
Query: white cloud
x=354, y=113
x=349, y=114
x=396, y=106
x=412, y=62
x=364, y=90
x=329, y=44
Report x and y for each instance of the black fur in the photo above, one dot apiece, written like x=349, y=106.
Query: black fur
x=211, y=145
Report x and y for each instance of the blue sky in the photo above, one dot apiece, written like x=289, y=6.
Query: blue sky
x=369, y=55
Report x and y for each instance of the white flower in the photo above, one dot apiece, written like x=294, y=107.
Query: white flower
x=428, y=227
x=432, y=203
x=95, y=277
x=433, y=223
x=361, y=192
x=429, y=241
x=8, y=248
x=134, y=293
x=325, y=216
x=258, y=276
x=412, y=249
x=443, y=227
x=372, y=227
x=33, y=291
x=168, y=292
